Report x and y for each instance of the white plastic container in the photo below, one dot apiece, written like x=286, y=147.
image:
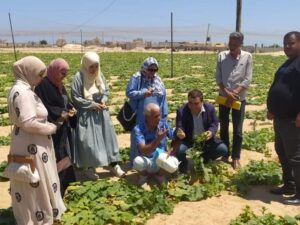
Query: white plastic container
x=169, y=164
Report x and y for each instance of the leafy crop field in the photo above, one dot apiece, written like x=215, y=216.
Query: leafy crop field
x=120, y=202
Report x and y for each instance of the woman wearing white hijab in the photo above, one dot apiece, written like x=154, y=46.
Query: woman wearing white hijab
x=95, y=138
x=33, y=203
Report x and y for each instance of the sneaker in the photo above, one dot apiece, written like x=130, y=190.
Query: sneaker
x=117, y=171
x=142, y=181
x=284, y=190
x=294, y=200
x=91, y=174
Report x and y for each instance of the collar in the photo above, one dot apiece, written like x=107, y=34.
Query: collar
x=201, y=111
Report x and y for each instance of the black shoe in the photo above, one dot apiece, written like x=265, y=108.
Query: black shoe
x=294, y=200
x=284, y=190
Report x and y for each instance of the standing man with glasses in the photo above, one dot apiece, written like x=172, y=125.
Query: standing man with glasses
x=283, y=105
x=145, y=87
x=233, y=76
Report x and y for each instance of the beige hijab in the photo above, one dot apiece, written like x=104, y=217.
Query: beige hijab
x=28, y=69
x=91, y=82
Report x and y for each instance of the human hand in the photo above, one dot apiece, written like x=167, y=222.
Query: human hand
x=297, y=120
x=180, y=134
x=72, y=112
x=96, y=106
x=63, y=116
x=149, y=92
x=231, y=95
x=209, y=135
x=161, y=134
x=103, y=106
x=270, y=115
x=53, y=128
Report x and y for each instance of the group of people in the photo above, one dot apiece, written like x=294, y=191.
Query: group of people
x=233, y=76
x=65, y=133
x=147, y=96
x=60, y=133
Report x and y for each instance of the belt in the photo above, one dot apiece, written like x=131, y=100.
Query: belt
x=22, y=160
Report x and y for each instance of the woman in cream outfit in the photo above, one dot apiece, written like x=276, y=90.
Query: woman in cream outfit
x=41, y=202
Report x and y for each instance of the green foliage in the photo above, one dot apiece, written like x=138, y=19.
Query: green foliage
x=256, y=140
x=3, y=165
x=4, y=121
x=7, y=216
x=105, y=201
x=249, y=217
x=5, y=141
x=124, y=154
x=256, y=173
x=257, y=115
x=119, y=129
x=214, y=178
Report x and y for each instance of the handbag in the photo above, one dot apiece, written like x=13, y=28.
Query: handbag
x=127, y=117
x=21, y=168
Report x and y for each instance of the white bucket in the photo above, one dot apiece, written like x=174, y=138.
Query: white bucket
x=169, y=164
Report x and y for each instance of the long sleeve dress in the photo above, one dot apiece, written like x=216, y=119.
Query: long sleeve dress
x=56, y=103
x=33, y=203
x=95, y=138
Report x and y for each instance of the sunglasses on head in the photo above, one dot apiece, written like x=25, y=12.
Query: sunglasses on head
x=152, y=70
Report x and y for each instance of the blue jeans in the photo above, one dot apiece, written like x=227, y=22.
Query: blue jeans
x=212, y=150
x=237, y=122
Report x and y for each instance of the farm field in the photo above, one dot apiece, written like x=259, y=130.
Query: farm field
x=220, y=202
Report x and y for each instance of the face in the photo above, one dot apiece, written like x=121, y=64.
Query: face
x=40, y=77
x=150, y=71
x=93, y=69
x=291, y=46
x=194, y=104
x=234, y=46
x=62, y=74
x=154, y=118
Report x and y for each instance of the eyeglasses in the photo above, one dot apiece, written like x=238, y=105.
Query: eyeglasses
x=152, y=70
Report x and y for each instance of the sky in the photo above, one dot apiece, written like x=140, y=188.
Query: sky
x=263, y=21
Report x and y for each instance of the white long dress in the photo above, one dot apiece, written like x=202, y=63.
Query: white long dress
x=33, y=203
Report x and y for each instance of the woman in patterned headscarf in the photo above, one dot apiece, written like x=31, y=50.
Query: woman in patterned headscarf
x=41, y=202
x=95, y=138
x=54, y=96
x=145, y=87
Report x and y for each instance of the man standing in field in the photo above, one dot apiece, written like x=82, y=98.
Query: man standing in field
x=233, y=76
x=284, y=108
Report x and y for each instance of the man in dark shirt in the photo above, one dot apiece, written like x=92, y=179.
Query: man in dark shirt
x=193, y=119
x=283, y=105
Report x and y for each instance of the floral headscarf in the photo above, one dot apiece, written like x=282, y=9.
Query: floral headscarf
x=27, y=69
x=55, y=67
x=157, y=83
x=148, y=62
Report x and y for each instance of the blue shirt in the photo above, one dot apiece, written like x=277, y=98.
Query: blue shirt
x=145, y=136
x=135, y=91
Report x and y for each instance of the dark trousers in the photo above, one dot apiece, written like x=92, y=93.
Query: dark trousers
x=287, y=146
x=237, y=122
x=212, y=150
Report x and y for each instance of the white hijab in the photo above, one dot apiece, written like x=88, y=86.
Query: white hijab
x=92, y=84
